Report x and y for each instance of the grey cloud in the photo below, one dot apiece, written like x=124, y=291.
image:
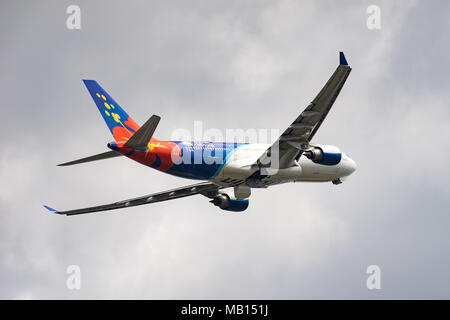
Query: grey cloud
x=232, y=64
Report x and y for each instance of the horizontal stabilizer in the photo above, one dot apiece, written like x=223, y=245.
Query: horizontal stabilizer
x=100, y=156
x=139, y=141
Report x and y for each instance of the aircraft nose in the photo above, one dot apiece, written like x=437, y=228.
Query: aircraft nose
x=347, y=167
x=350, y=166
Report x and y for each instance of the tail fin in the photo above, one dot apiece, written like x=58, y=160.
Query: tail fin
x=122, y=126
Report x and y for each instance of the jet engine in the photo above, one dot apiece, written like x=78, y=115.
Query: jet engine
x=324, y=154
x=225, y=202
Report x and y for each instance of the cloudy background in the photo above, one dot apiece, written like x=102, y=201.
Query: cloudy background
x=231, y=64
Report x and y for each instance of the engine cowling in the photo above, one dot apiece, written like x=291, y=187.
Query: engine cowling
x=324, y=154
x=224, y=202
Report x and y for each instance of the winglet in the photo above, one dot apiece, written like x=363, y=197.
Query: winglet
x=50, y=209
x=342, y=60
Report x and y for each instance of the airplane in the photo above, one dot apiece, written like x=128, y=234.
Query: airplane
x=224, y=165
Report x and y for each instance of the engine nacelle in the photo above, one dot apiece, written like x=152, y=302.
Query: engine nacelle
x=324, y=154
x=224, y=202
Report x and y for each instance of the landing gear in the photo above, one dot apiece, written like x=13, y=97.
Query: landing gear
x=337, y=181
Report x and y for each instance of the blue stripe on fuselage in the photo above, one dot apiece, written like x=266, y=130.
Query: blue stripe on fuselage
x=202, y=160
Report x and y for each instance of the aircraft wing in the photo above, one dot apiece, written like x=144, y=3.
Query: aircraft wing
x=295, y=139
x=205, y=188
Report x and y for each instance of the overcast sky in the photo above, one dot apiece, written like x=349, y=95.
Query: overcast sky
x=231, y=64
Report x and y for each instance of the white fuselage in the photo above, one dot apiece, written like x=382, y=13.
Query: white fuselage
x=238, y=167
